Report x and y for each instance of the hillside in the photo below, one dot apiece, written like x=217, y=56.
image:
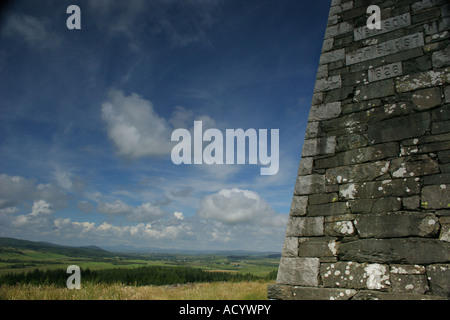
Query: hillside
x=11, y=244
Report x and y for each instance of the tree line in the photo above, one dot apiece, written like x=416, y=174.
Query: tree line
x=140, y=276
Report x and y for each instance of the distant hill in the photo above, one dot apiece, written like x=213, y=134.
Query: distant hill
x=95, y=251
x=86, y=251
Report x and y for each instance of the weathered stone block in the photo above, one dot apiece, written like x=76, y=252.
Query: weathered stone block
x=444, y=156
x=323, y=198
x=325, y=209
x=399, y=128
x=368, y=116
x=279, y=292
x=379, y=205
x=439, y=277
x=317, y=98
x=327, y=84
x=309, y=293
x=421, y=80
x=314, y=183
x=378, y=295
x=313, y=147
x=360, y=155
x=339, y=228
x=440, y=127
x=401, y=250
x=408, y=283
x=338, y=29
x=350, y=141
x=324, y=112
x=385, y=48
x=290, y=247
x=436, y=197
x=447, y=94
x=374, y=90
x=332, y=56
x=445, y=229
x=327, y=45
x=305, y=166
x=312, y=129
x=386, y=71
x=360, y=106
x=298, y=271
x=357, y=173
x=425, y=4
x=441, y=58
x=437, y=179
x=317, y=247
x=386, y=204
x=407, y=269
x=377, y=189
x=298, y=205
x=305, y=227
x=387, y=25
x=406, y=167
x=429, y=147
x=426, y=98
x=411, y=203
x=396, y=224
x=355, y=275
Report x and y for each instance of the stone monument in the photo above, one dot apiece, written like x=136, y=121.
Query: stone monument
x=370, y=214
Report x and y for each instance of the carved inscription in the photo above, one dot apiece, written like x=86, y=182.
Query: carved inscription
x=387, y=71
x=387, y=25
x=386, y=48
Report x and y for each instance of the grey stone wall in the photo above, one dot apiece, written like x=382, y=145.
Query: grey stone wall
x=370, y=214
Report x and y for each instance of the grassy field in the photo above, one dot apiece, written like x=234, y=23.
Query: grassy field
x=17, y=256
x=196, y=291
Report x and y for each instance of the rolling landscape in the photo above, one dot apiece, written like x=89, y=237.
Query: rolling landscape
x=37, y=270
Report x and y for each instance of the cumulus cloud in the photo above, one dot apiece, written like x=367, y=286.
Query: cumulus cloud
x=235, y=206
x=40, y=217
x=142, y=213
x=178, y=215
x=135, y=127
x=17, y=190
x=35, y=32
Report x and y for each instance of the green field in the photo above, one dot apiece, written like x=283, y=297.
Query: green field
x=19, y=256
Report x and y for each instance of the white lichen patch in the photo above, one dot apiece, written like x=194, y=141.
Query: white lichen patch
x=400, y=172
x=349, y=192
x=409, y=287
x=332, y=246
x=345, y=227
x=377, y=276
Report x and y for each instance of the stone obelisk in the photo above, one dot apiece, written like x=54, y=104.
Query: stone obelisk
x=370, y=214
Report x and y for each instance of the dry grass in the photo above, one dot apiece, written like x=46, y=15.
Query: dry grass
x=197, y=291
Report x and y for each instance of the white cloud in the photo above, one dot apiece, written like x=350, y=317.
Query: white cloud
x=236, y=206
x=35, y=32
x=16, y=190
x=134, y=126
x=117, y=207
x=39, y=218
x=178, y=215
x=144, y=212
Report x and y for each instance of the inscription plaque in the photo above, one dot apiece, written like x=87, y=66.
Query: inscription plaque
x=387, y=25
x=386, y=48
x=386, y=71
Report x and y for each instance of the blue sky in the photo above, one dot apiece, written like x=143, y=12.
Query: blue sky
x=86, y=118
